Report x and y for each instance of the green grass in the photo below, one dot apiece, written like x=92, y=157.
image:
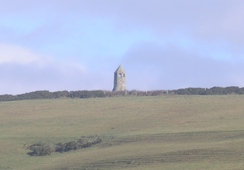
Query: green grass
x=162, y=132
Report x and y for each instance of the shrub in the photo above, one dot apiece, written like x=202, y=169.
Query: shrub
x=83, y=142
x=40, y=149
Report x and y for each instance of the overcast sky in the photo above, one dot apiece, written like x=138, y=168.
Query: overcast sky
x=162, y=44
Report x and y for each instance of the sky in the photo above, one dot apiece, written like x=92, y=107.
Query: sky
x=161, y=44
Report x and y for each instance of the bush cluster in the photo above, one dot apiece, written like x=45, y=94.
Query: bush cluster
x=43, y=149
x=101, y=93
x=209, y=91
x=83, y=142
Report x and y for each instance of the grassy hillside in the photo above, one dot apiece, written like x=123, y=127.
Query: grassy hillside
x=163, y=132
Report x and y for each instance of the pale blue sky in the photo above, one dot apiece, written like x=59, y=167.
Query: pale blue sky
x=162, y=44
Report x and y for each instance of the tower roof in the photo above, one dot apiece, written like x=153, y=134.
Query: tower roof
x=119, y=69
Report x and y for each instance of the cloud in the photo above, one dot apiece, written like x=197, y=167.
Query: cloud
x=23, y=70
x=17, y=54
x=77, y=44
x=151, y=66
x=209, y=21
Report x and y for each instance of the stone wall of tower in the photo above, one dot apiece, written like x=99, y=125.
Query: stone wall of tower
x=119, y=80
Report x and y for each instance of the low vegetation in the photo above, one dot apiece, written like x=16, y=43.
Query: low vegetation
x=40, y=149
x=43, y=149
x=101, y=93
x=83, y=142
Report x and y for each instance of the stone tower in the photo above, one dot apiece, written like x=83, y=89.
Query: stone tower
x=119, y=79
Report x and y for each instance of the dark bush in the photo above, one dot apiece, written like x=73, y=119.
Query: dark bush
x=83, y=142
x=73, y=145
x=41, y=149
x=101, y=93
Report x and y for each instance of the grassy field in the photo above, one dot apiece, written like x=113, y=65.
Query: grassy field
x=163, y=132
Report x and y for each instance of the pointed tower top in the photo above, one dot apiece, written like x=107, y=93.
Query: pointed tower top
x=119, y=79
x=119, y=69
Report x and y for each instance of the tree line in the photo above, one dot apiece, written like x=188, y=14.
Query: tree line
x=210, y=91
x=44, y=94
